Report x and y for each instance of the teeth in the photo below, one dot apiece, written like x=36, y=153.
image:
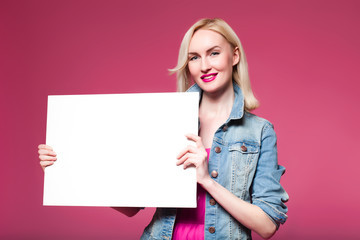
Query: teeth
x=207, y=77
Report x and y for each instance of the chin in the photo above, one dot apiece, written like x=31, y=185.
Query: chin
x=213, y=87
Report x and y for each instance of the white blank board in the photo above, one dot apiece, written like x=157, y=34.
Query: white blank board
x=120, y=150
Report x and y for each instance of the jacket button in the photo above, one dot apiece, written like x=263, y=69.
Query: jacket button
x=212, y=202
x=218, y=150
x=211, y=229
x=243, y=148
x=225, y=128
x=214, y=174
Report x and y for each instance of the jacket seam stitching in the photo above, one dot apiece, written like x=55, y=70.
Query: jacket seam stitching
x=281, y=213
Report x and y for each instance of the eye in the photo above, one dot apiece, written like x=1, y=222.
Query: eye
x=193, y=58
x=214, y=53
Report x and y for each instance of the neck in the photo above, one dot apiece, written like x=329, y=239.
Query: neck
x=219, y=103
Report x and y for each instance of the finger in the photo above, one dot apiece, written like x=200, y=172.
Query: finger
x=183, y=158
x=45, y=164
x=192, y=137
x=189, y=162
x=188, y=148
x=195, y=138
x=44, y=146
x=47, y=152
x=47, y=158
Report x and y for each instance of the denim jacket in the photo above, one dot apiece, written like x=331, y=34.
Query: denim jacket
x=244, y=156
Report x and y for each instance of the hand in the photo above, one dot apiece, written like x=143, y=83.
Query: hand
x=195, y=156
x=46, y=155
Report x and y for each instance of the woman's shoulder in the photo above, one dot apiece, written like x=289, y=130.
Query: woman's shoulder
x=251, y=128
x=255, y=119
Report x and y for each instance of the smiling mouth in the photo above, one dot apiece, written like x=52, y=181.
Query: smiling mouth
x=208, y=77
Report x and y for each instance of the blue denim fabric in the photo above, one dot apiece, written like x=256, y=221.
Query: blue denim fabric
x=247, y=166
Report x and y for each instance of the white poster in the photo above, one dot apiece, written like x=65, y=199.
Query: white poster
x=120, y=150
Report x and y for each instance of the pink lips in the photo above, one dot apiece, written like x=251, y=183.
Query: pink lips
x=208, y=77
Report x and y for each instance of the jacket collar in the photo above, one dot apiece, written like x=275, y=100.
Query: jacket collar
x=237, y=110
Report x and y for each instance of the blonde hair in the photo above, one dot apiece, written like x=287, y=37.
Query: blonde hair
x=240, y=70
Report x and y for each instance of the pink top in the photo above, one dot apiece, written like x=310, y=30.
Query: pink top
x=189, y=222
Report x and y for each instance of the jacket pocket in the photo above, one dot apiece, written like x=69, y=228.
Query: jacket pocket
x=244, y=156
x=244, y=151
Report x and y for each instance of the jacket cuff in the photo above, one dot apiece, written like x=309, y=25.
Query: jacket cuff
x=275, y=215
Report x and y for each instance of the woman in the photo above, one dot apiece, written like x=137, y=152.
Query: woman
x=235, y=154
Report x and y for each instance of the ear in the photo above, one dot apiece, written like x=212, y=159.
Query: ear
x=236, y=56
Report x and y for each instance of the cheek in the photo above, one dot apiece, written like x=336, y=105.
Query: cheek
x=192, y=69
x=223, y=61
x=221, y=64
x=228, y=64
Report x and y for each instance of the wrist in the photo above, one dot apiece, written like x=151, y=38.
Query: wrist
x=207, y=182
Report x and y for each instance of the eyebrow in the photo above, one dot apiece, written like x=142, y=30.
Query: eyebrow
x=209, y=50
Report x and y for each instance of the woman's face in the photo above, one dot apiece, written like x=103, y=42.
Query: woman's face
x=211, y=60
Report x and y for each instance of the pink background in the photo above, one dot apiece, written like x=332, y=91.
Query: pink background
x=304, y=66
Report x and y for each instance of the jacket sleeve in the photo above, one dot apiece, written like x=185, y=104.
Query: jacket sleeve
x=267, y=193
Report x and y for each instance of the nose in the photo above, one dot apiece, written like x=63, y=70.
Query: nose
x=205, y=65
